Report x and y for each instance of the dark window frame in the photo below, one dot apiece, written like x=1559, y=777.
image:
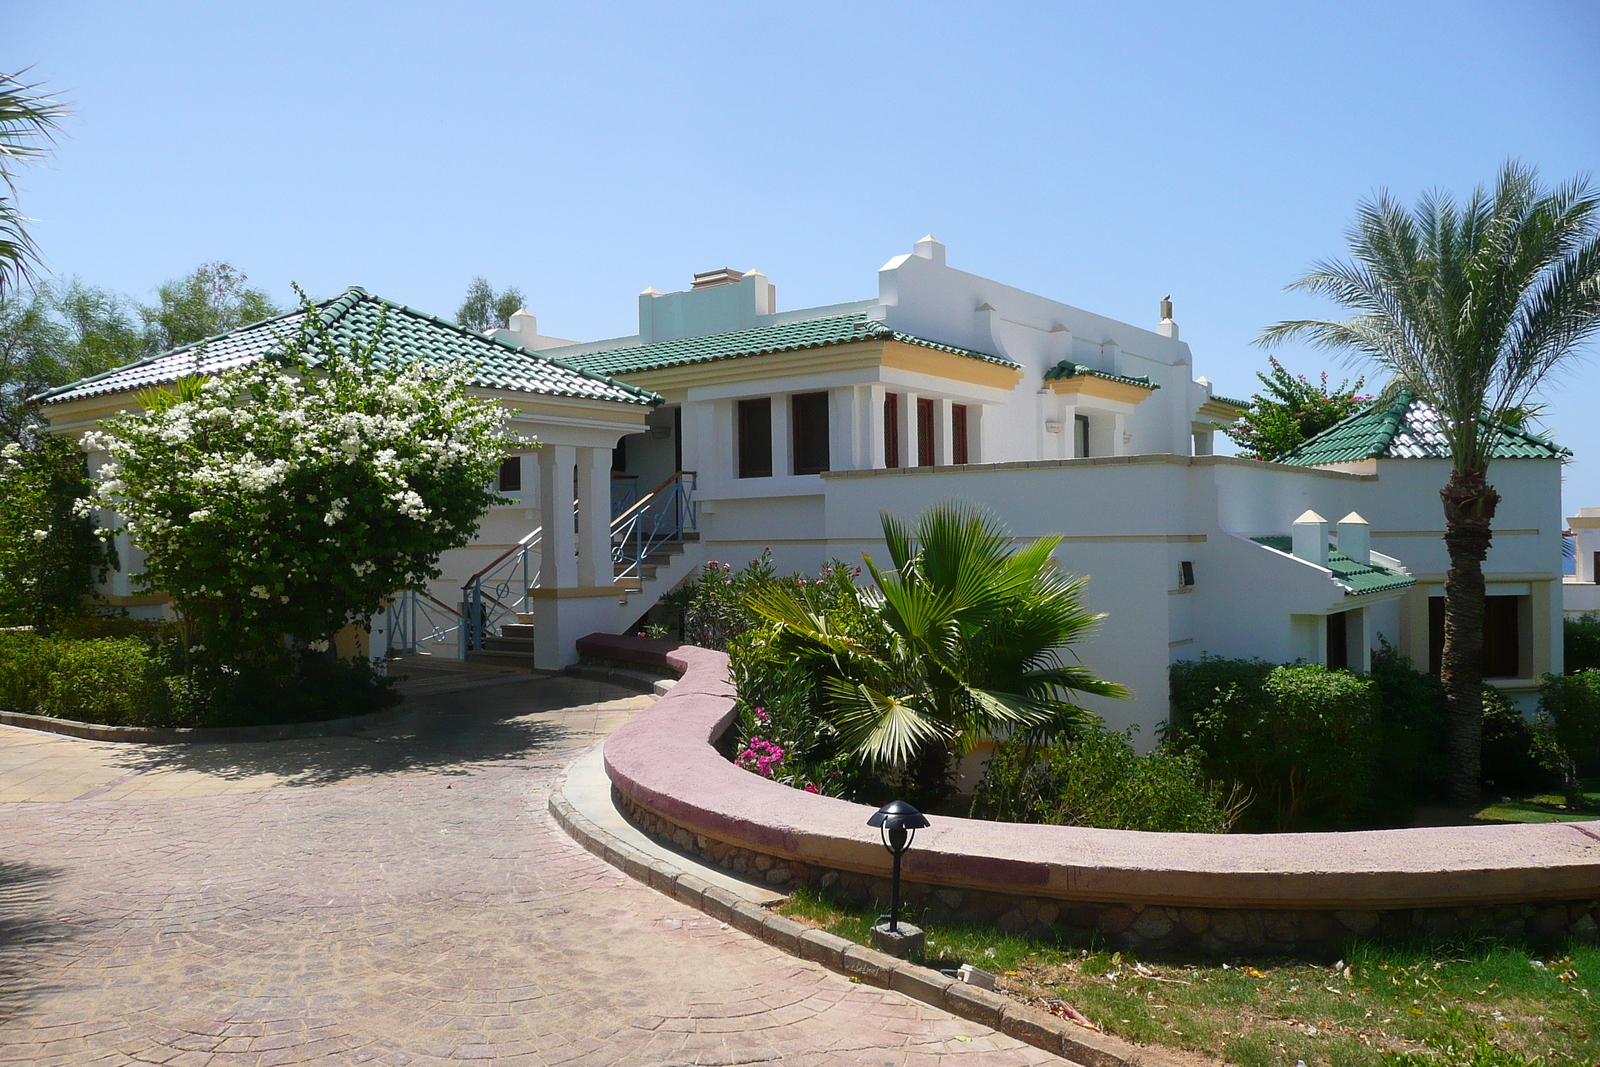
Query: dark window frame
x=810, y=429
x=1503, y=634
x=958, y=434
x=927, y=417
x=753, y=446
x=513, y=484
x=1080, y=435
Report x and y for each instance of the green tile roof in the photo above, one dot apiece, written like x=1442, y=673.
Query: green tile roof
x=1406, y=428
x=1356, y=578
x=409, y=335
x=1068, y=369
x=1230, y=400
x=760, y=341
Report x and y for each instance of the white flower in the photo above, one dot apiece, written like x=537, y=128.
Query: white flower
x=82, y=506
x=41, y=535
x=200, y=516
x=318, y=646
x=261, y=591
x=363, y=569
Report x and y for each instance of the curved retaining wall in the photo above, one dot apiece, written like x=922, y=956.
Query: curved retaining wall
x=1213, y=893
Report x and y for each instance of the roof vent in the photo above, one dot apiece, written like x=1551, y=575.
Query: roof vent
x=1355, y=538
x=725, y=276
x=1310, y=541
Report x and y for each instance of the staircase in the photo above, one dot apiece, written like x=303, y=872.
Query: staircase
x=654, y=549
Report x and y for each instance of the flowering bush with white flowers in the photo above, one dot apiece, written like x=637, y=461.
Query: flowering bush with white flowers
x=50, y=551
x=281, y=501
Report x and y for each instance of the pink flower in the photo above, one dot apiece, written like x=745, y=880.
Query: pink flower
x=811, y=788
x=727, y=566
x=761, y=714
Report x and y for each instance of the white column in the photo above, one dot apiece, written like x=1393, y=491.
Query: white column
x=943, y=443
x=782, y=436
x=594, y=517
x=841, y=428
x=975, y=418
x=908, y=429
x=714, y=423
x=1119, y=447
x=558, y=564
x=874, y=426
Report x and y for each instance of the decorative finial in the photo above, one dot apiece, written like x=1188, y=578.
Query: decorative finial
x=1166, y=308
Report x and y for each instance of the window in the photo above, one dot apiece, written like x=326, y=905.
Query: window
x=755, y=438
x=1186, y=573
x=958, y=433
x=510, y=480
x=891, y=430
x=1080, y=437
x=1502, y=636
x=1339, y=641
x=810, y=414
x=924, y=432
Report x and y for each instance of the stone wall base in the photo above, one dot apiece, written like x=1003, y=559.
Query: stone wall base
x=1216, y=933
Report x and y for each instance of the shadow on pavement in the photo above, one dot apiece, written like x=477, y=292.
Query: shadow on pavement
x=524, y=719
x=27, y=926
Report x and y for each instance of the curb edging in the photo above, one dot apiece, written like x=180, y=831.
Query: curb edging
x=171, y=735
x=994, y=1010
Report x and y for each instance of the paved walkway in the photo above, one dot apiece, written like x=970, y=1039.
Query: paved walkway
x=400, y=898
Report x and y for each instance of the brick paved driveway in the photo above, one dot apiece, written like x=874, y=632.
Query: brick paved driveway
x=402, y=898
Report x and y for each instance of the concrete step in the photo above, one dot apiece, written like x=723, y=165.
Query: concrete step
x=509, y=644
x=518, y=660
x=518, y=629
x=635, y=678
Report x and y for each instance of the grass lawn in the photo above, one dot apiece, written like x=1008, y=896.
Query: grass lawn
x=1546, y=808
x=1483, y=1005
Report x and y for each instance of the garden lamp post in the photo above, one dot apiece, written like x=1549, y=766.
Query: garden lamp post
x=897, y=823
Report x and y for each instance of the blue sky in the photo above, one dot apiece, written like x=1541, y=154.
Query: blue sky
x=1101, y=154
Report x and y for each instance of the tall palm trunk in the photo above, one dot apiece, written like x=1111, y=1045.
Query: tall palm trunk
x=1469, y=505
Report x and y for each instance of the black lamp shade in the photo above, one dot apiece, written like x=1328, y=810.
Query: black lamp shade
x=898, y=815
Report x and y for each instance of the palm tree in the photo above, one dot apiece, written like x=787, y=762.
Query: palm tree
x=966, y=641
x=27, y=120
x=1469, y=306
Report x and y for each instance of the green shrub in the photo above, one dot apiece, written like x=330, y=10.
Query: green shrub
x=1303, y=741
x=1581, y=642
x=1509, y=764
x=710, y=605
x=1411, y=762
x=112, y=682
x=1097, y=779
x=1572, y=704
x=127, y=681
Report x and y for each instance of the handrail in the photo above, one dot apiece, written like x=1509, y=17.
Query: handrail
x=644, y=500
x=508, y=553
x=436, y=600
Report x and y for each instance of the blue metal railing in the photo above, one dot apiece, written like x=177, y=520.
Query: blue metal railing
x=500, y=592
x=665, y=515
x=416, y=620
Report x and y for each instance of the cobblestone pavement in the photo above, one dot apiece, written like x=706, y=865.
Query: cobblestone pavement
x=396, y=899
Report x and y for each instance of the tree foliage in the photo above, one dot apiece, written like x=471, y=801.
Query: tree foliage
x=1290, y=410
x=287, y=499
x=968, y=640
x=28, y=120
x=57, y=333
x=1470, y=306
x=212, y=300
x=485, y=310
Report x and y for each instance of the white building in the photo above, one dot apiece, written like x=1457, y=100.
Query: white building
x=737, y=426
x=1581, y=589
x=802, y=426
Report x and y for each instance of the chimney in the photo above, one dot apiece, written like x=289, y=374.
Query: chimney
x=708, y=278
x=525, y=325
x=1354, y=538
x=1167, y=327
x=1311, y=538
x=930, y=247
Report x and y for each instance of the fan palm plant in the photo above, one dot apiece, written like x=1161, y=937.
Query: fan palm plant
x=1470, y=307
x=27, y=122
x=966, y=640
